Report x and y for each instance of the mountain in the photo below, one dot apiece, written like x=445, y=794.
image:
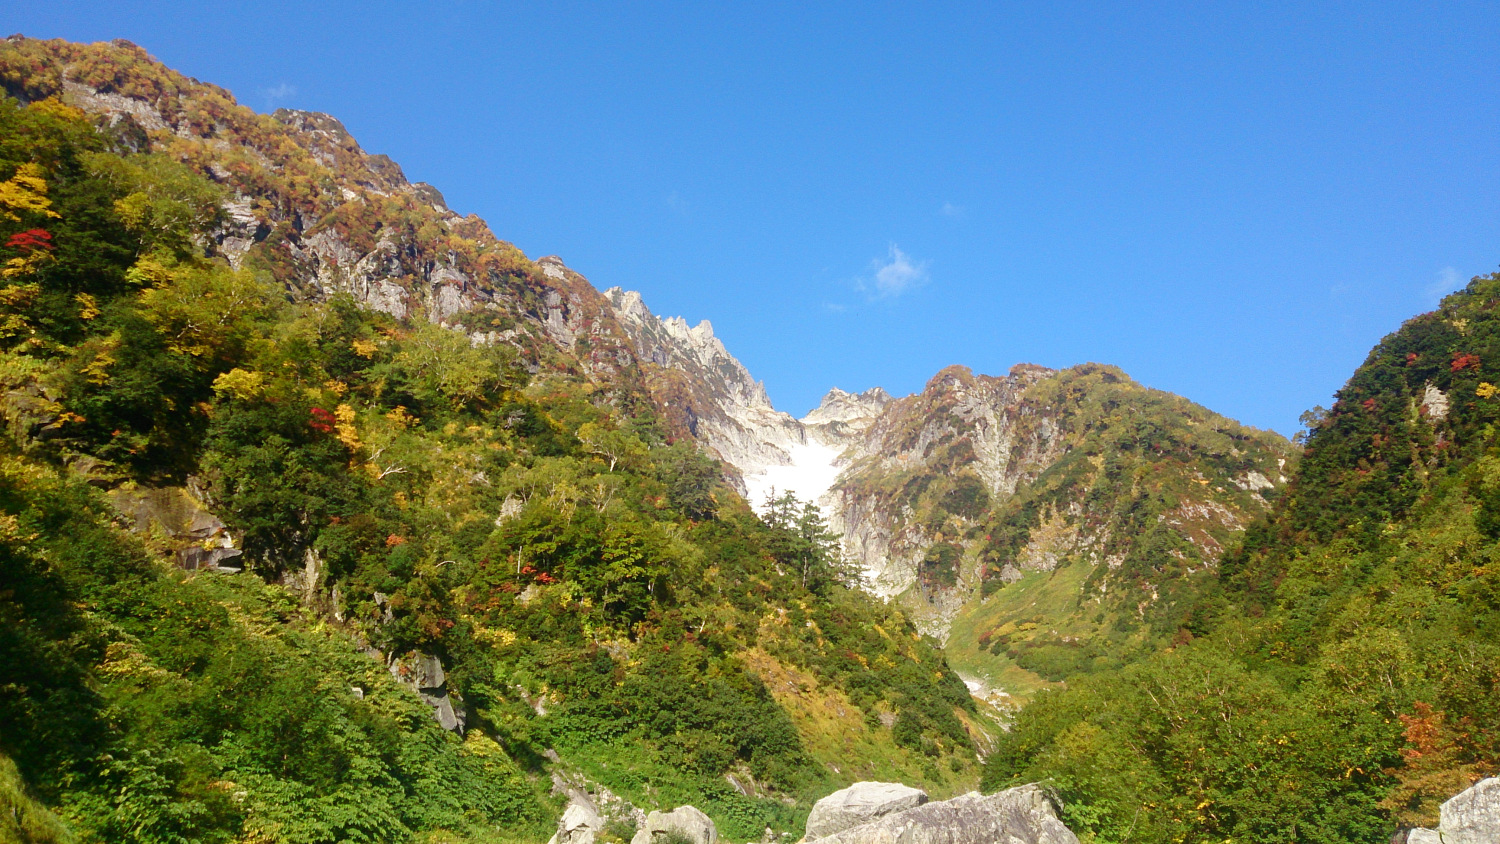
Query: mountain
x=1342, y=682
x=306, y=204
x=1046, y=521
x=982, y=499
x=327, y=515
x=309, y=207
x=704, y=392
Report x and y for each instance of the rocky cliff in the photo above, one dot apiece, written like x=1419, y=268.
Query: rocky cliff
x=305, y=203
x=1022, y=515
x=945, y=497
x=959, y=426
x=705, y=391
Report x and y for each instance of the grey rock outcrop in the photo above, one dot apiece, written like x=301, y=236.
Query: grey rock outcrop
x=423, y=674
x=597, y=806
x=1021, y=815
x=843, y=414
x=860, y=804
x=709, y=392
x=686, y=820
x=1470, y=817
x=199, y=538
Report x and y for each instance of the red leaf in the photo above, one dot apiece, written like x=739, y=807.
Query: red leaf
x=31, y=240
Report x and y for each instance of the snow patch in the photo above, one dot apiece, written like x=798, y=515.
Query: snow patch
x=981, y=690
x=809, y=476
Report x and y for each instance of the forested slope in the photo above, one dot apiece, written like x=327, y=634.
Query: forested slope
x=1344, y=678
x=467, y=512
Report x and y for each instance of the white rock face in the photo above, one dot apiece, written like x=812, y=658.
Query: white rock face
x=730, y=413
x=1021, y=815
x=698, y=827
x=1435, y=403
x=578, y=825
x=728, y=410
x=854, y=411
x=859, y=804
x=903, y=437
x=1470, y=817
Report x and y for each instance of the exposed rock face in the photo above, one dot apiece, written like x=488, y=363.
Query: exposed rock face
x=1470, y=817
x=705, y=391
x=842, y=416
x=590, y=805
x=990, y=478
x=327, y=217
x=1020, y=815
x=860, y=804
x=911, y=483
x=423, y=674
x=1434, y=403
x=959, y=421
x=686, y=820
x=199, y=538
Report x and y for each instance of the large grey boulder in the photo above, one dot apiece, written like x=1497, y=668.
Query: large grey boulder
x=686, y=820
x=1020, y=815
x=1470, y=817
x=859, y=804
x=578, y=825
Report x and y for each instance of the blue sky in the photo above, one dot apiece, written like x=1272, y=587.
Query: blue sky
x=1230, y=202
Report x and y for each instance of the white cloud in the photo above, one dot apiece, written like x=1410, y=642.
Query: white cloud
x=951, y=210
x=895, y=275
x=281, y=93
x=1448, y=280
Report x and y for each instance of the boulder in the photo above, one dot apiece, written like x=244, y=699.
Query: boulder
x=578, y=825
x=686, y=820
x=1022, y=815
x=1470, y=817
x=859, y=804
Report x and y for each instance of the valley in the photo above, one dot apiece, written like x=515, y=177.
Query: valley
x=328, y=515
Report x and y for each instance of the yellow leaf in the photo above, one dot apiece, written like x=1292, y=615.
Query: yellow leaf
x=240, y=383
x=25, y=193
x=88, y=306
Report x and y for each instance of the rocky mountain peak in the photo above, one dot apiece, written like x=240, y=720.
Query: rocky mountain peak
x=671, y=342
x=704, y=389
x=841, y=406
x=953, y=375
x=332, y=145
